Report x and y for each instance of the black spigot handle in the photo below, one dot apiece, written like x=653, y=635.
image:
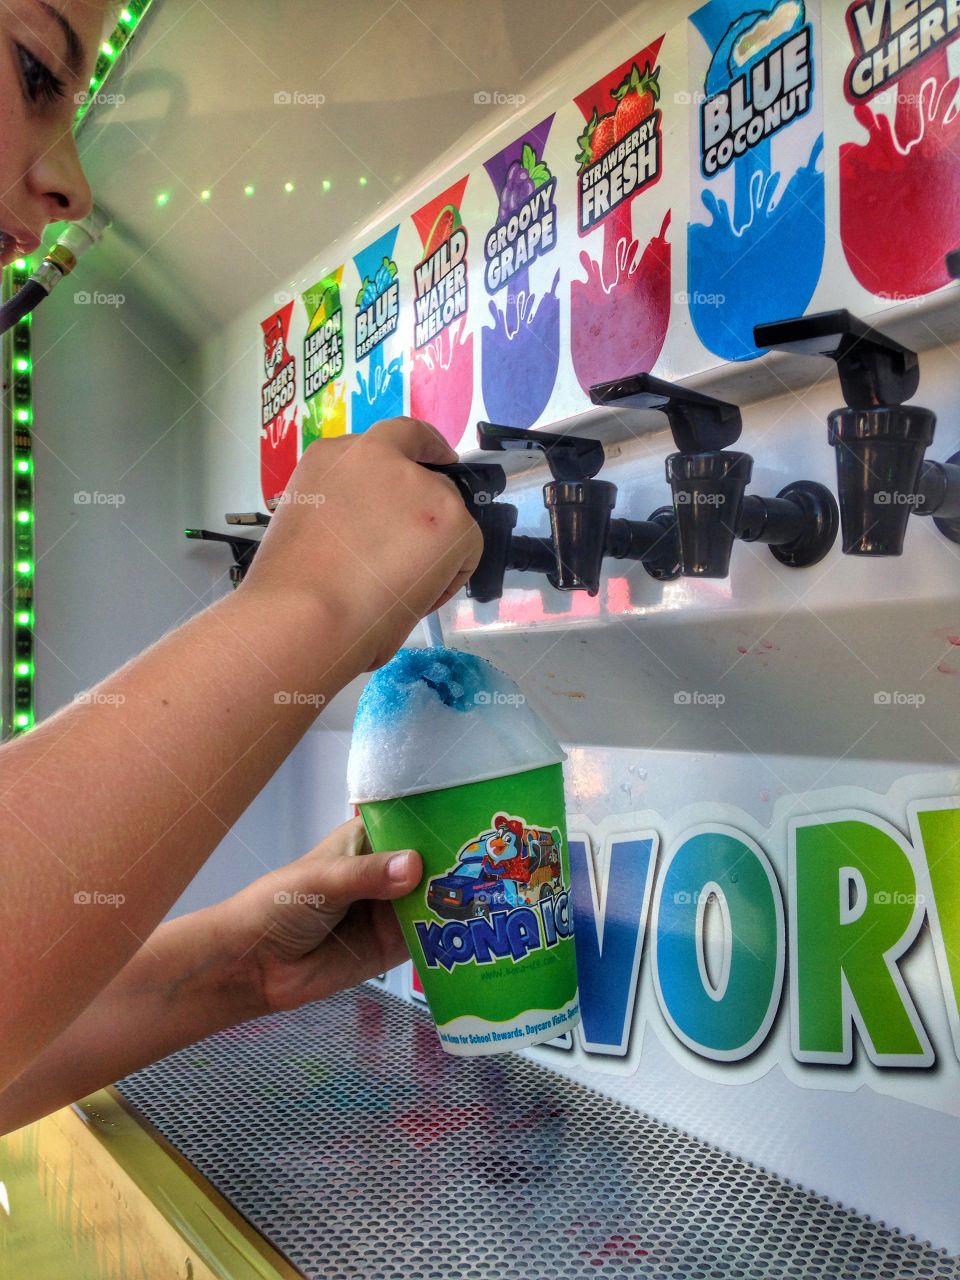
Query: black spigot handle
x=480, y=483
x=256, y=518
x=243, y=549
x=570, y=458
x=875, y=371
x=700, y=423
x=953, y=264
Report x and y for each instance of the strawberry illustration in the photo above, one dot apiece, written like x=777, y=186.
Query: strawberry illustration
x=603, y=136
x=636, y=99
x=596, y=140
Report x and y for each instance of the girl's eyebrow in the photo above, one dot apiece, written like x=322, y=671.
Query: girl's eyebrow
x=75, y=54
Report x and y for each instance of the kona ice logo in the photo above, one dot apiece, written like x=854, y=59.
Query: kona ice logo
x=832, y=940
x=503, y=898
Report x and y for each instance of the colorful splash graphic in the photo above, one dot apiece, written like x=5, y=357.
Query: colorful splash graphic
x=441, y=379
x=325, y=412
x=900, y=189
x=520, y=355
x=278, y=417
x=759, y=255
x=620, y=312
x=379, y=392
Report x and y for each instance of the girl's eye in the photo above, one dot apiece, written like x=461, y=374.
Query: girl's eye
x=39, y=81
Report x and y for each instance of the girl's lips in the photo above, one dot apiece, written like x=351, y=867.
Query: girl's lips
x=13, y=247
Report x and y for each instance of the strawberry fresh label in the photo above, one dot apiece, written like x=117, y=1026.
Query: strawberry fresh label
x=620, y=312
x=619, y=151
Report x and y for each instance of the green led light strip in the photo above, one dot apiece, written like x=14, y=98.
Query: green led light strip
x=18, y=381
x=21, y=542
x=111, y=49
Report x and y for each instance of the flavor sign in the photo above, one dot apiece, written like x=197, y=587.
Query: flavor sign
x=278, y=420
x=441, y=379
x=323, y=361
x=756, y=237
x=900, y=185
x=521, y=352
x=827, y=944
x=619, y=314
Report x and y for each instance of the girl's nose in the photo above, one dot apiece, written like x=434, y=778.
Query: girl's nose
x=57, y=178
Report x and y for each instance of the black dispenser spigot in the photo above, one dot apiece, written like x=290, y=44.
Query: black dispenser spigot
x=243, y=549
x=579, y=506
x=582, y=528
x=480, y=485
x=708, y=481
x=880, y=441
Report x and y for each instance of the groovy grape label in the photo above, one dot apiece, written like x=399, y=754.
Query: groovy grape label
x=830, y=940
x=526, y=226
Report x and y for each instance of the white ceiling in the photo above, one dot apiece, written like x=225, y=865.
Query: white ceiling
x=398, y=78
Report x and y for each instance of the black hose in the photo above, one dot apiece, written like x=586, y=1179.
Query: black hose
x=21, y=304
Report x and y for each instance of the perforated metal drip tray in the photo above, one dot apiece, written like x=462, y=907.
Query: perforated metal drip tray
x=347, y=1137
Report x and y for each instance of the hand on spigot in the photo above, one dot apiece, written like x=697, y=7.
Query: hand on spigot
x=376, y=539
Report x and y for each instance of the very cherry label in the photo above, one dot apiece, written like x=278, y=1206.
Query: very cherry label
x=900, y=184
x=889, y=36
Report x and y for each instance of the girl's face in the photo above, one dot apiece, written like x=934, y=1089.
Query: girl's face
x=47, y=52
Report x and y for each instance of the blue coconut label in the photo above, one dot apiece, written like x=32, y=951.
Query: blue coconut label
x=378, y=364
x=756, y=236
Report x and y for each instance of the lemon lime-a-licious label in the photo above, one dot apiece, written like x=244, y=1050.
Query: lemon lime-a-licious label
x=489, y=927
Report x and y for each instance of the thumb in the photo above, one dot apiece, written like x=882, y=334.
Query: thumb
x=380, y=876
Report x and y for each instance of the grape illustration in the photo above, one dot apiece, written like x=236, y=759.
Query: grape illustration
x=523, y=178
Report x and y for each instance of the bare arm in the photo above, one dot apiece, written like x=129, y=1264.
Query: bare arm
x=130, y=792
x=226, y=964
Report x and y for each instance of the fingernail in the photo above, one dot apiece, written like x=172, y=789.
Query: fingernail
x=398, y=867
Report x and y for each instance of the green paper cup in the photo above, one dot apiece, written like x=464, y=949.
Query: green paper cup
x=489, y=927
